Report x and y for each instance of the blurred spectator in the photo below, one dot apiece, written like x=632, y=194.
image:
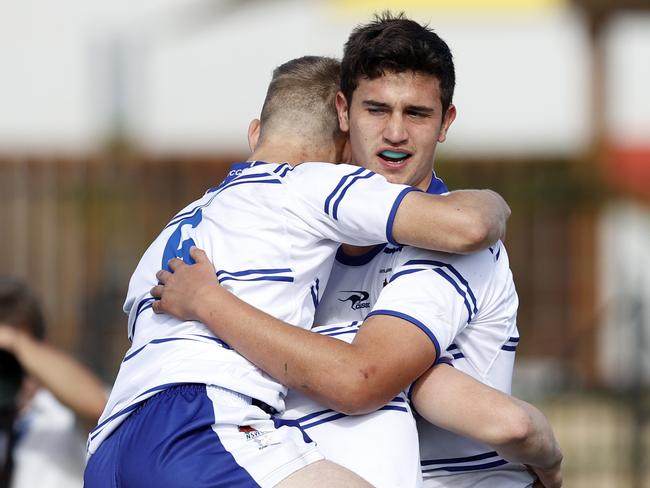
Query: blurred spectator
x=45, y=396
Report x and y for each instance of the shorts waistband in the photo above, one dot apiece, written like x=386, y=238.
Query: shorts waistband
x=265, y=407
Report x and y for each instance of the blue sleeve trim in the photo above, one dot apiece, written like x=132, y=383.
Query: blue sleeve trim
x=444, y=360
x=393, y=212
x=414, y=321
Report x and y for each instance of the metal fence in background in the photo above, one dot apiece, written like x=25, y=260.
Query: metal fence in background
x=75, y=228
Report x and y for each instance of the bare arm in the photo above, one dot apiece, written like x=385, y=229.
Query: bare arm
x=68, y=380
x=517, y=430
x=464, y=221
x=351, y=378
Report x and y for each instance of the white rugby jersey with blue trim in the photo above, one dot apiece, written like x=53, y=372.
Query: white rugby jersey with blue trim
x=272, y=232
x=467, y=306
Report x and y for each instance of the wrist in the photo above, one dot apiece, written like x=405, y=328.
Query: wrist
x=204, y=302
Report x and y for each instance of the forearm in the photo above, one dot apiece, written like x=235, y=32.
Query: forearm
x=317, y=366
x=516, y=430
x=536, y=446
x=461, y=222
x=350, y=378
x=69, y=381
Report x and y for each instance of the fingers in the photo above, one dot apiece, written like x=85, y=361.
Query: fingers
x=163, y=276
x=175, y=263
x=198, y=254
x=157, y=291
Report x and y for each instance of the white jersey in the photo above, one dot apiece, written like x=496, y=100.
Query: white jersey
x=467, y=306
x=361, y=442
x=49, y=451
x=272, y=231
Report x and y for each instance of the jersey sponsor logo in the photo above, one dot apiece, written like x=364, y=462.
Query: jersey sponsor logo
x=246, y=429
x=358, y=299
x=385, y=271
x=263, y=439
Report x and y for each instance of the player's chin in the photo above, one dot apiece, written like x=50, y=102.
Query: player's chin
x=399, y=174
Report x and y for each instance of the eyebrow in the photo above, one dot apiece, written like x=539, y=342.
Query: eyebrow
x=416, y=108
x=374, y=103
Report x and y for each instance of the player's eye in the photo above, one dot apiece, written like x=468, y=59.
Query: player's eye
x=376, y=110
x=418, y=114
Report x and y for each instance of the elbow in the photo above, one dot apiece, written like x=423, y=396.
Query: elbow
x=356, y=396
x=517, y=430
x=482, y=230
x=355, y=406
x=478, y=233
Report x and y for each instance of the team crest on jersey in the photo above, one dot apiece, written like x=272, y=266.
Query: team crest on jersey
x=358, y=299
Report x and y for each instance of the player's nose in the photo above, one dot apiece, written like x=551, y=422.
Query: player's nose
x=395, y=131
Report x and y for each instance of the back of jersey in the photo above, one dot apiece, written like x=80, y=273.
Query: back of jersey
x=271, y=231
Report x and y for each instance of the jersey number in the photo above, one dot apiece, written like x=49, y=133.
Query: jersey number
x=174, y=248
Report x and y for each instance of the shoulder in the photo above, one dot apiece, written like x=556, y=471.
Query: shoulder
x=476, y=271
x=476, y=264
x=321, y=172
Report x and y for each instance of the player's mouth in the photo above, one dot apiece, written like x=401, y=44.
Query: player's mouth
x=394, y=158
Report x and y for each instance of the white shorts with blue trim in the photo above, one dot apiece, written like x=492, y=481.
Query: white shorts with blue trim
x=381, y=447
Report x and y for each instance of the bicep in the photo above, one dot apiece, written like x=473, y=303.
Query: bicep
x=346, y=203
x=432, y=295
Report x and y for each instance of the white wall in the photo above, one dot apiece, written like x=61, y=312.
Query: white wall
x=628, y=79
x=189, y=75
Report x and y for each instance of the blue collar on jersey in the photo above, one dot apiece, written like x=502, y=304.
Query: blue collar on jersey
x=436, y=187
x=236, y=169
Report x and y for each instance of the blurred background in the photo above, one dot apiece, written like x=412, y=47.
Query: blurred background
x=113, y=115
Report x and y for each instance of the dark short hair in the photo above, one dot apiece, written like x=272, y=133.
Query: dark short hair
x=396, y=44
x=20, y=308
x=304, y=86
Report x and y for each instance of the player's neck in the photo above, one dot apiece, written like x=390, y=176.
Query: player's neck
x=292, y=154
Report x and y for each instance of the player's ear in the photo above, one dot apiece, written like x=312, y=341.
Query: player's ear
x=342, y=111
x=449, y=117
x=254, y=133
